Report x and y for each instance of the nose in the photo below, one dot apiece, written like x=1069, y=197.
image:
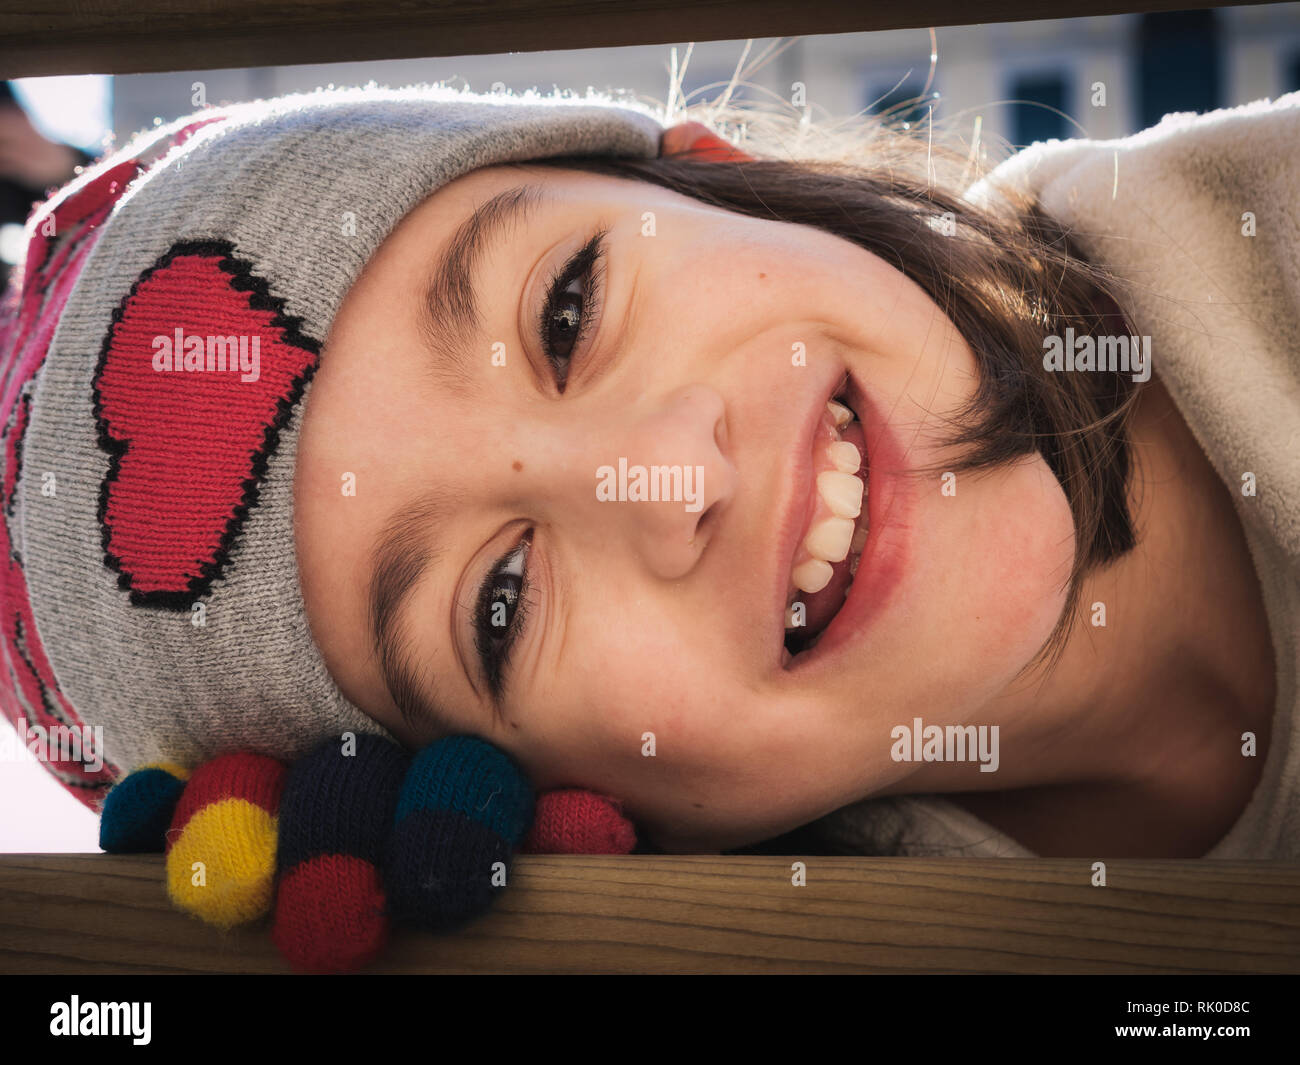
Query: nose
x=654, y=475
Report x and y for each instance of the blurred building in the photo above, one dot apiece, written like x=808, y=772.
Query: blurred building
x=1100, y=77
x=1010, y=83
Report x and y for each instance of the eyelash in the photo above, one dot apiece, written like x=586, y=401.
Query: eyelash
x=587, y=265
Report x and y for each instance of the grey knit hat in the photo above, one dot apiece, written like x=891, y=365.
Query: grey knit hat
x=152, y=587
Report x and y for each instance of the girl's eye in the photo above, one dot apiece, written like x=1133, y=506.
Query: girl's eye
x=571, y=302
x=499, y=615
x=565, y=323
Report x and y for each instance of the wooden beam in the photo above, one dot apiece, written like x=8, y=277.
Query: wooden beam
x=102, y=913
x=40, y=37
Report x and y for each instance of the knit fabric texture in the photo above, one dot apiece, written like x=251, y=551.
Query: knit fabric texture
x=222, y=841
x=175, y=303
x=335, y=817
x=573, y=821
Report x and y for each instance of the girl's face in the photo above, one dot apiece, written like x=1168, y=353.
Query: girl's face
x=470, y=457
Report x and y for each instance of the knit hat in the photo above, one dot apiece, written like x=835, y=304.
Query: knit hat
x=151, y=583
x=157, y=356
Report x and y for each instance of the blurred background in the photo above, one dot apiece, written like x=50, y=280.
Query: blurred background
x=1022, y=82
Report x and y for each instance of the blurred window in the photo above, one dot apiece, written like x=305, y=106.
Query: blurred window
x=1038, y=103
x=1178, y=64
x=1291, y=72
x=898, y=103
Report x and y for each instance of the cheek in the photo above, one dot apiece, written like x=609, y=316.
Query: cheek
x=985, y=589
x=775, y=271
x=643, y=684
x=1014, y=532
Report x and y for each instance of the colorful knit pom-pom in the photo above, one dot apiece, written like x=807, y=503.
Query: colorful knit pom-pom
x=463, y=810
x=354, y=836
x=138, y=810
x=572, y=821
x=222, y=841
x=697, y=141
x=335, y=816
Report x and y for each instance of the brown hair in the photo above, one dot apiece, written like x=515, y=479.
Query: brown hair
x=1008, y=276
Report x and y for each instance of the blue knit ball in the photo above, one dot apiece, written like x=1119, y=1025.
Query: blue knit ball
x=138, y=811
x=463, y=810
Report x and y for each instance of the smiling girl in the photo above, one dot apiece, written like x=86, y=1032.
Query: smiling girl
x=904, y=513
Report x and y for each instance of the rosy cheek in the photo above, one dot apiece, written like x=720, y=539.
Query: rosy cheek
x=1029, y=555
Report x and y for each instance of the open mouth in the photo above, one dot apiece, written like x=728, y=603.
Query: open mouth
x=826, y=560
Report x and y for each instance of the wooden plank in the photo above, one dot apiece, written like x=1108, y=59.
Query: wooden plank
x=102, y=913
x=132, y=36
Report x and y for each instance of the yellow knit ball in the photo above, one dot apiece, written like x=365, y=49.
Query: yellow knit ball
x=180, y=772
x=221, y=868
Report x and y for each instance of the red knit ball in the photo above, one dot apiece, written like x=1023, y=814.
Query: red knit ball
x=573, y=821
x=330, y=914
x=253, y=777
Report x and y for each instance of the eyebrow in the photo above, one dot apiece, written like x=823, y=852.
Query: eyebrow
x=403, y=554
x=449, y=313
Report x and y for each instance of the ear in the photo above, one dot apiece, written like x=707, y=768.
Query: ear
x=698, y=141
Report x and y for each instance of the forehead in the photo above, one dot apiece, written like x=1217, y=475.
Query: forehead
x=560, y=184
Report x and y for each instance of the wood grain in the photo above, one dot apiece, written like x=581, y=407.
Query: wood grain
x=100, y=913
x=131, y=36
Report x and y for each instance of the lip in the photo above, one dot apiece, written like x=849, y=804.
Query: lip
x=800, y=502
x=884, y=557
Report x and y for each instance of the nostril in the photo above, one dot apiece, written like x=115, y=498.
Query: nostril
x=703, y=530
x=720, y=433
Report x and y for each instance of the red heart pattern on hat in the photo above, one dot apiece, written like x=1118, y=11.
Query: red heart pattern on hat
x=189, y=424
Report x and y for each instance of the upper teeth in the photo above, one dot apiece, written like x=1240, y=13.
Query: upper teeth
x=811, y=576
x=842, y=492
x=829, y=539
x=840, y=489
x=840, y=413
x=846, y=457
x=833, y=537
